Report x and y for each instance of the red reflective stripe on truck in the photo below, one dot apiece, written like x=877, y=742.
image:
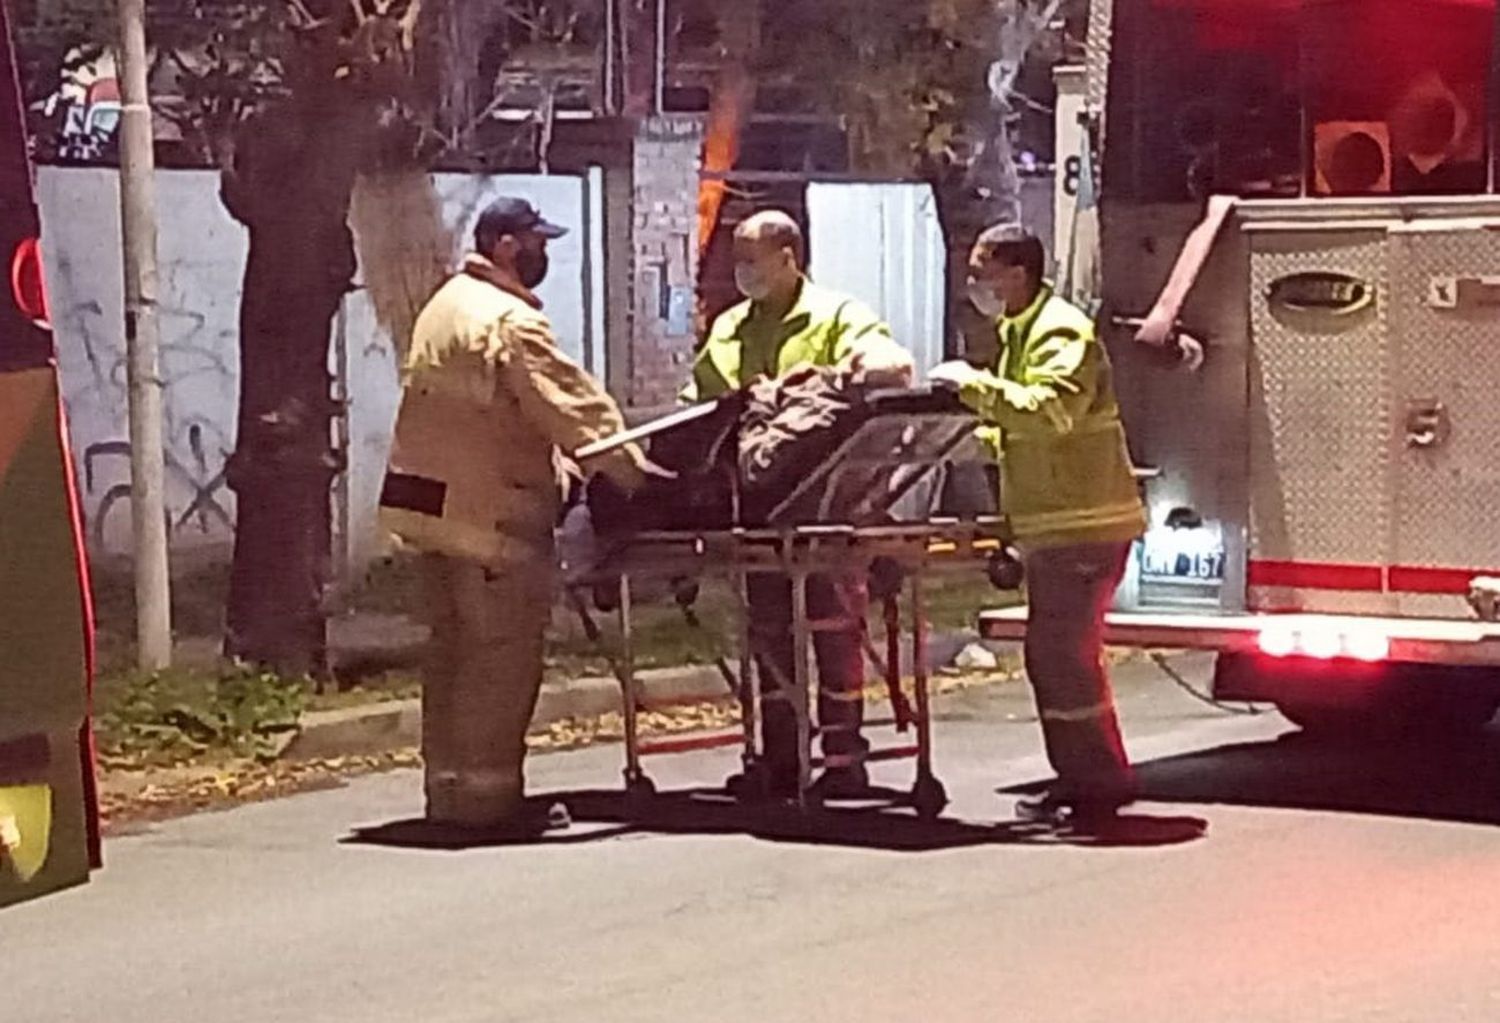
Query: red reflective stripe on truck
x=1313, y=575
x=1405, y=579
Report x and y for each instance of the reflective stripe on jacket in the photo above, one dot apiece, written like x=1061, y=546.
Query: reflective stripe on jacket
x=1065, y=466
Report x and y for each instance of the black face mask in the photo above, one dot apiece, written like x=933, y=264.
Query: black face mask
x=531, y=267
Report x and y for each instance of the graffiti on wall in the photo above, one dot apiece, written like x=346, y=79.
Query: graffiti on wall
x=83, y=115
x=198, y=433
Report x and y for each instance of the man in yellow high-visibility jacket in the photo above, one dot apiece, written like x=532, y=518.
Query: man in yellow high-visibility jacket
x=788, y=323
x=1070, y=496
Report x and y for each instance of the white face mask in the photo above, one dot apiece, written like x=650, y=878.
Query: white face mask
x=983, y=298
x=751, y=282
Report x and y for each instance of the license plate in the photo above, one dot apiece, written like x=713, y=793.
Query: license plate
x=1191, y=560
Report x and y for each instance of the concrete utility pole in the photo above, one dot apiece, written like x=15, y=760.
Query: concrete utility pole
x=153, y=609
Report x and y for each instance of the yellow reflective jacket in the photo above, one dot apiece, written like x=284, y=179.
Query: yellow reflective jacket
x=489, y=407
x=1065, y=466
x=822, y=328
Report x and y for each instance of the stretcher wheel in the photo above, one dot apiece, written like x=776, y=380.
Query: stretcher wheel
x=753, y=786
x=928, y=797
x=640, y=793
x=685, y=592
x=1006, y=571
x=607, y=597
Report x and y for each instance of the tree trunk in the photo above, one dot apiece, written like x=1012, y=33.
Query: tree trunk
x=290, y=185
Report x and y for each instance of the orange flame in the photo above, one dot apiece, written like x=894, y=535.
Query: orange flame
x=727, y=116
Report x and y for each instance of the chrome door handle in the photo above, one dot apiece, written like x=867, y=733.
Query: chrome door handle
x=1428, y=424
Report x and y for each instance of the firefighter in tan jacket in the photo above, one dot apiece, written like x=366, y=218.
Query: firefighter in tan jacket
x=490, y=410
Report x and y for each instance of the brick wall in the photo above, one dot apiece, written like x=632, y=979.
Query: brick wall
x=665, y=254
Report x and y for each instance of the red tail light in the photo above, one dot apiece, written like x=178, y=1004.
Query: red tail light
x=28, y=286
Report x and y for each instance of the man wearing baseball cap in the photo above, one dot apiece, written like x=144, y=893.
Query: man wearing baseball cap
x=490, y=410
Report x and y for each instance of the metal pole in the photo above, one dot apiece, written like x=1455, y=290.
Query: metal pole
x=659, y=89
x=142, y=344
x=749, y=676
x=611, y=106
x=919, y=676
x=630, y=689
x=801, y=683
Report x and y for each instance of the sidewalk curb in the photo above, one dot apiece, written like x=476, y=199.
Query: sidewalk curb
x=382, y=727
x=397, y=724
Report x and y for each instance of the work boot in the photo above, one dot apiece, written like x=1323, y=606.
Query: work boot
x=535, y=818
x=1078, y=811
x=848, y=781
x=767, y=780
x=530, y=820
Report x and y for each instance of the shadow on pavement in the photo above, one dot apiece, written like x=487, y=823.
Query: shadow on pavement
x=603, y=815
x=1454, y=778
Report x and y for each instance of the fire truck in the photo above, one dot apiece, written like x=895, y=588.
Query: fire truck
x=49, y=834
x=1309, y=189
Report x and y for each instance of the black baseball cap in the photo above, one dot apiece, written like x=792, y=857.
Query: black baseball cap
x=509, y=215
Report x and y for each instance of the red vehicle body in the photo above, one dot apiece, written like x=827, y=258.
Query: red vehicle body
x=49, y=824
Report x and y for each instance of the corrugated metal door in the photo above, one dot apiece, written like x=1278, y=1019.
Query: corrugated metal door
x=883, y=244
x=1445, y=279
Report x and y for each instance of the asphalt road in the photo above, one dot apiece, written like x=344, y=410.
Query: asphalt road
x=1265, y=879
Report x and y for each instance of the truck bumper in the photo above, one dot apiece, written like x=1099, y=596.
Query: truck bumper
x=1303, y=636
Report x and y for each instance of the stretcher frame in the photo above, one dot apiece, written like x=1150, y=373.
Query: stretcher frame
x=909, y=555
x=861, y=482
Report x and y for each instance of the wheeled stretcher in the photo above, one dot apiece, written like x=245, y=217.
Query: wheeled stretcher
x=884, y=497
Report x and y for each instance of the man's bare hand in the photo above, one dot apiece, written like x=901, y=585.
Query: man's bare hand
x=649, y=470
x=957, y=372
x=1192, y=352
x=881, y=372
x=1156, y=329
x=1161, y=331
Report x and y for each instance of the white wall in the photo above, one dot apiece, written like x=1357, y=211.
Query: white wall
x=202, y=254
x=883, y=243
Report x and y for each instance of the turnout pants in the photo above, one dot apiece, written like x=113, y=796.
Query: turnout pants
x=839, y=604
x=1070, y=589
x=481, y=686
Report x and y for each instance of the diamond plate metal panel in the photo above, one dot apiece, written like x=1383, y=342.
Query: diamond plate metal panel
x=1424, y=605
x=1320, y=479
x=1329, y=602
x=1447, y=333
